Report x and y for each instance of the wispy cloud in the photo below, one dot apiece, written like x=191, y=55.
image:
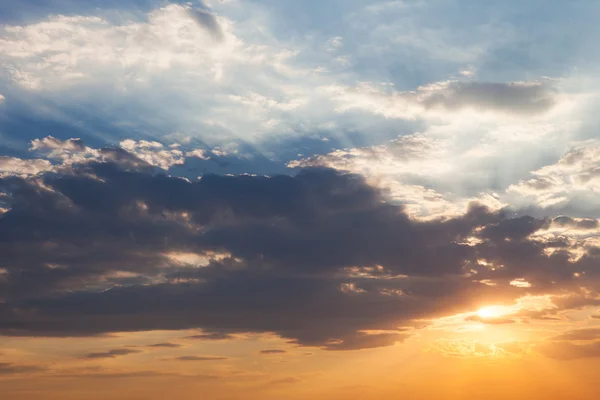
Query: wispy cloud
x=113, y=353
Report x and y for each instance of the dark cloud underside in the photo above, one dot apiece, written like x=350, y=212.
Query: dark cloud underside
x=318, y=258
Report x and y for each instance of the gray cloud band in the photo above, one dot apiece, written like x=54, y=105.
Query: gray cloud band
x=320, y=258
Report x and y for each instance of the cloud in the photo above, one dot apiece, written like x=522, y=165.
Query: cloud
x=518, y=98
x=15, y=166
x=463, y=348
x=175, y=69
x=13, y=369
x=569, y=185
x=208, y=21
x=114, y=353
x=67, y=151
x=570, y=351
x=50, y=143
x=364, y=236
x=513, y=97
x=273, y=351
x=579, y=334
x=362, y=341
x=133, y=153
x=122, y=47
x=410, y=152
x=98, y=372
x=153, y=153
x=491, y=321
x=284, y=381
x=393, y=167
x=89, y=248
x=212, y=336
x=166, y=345
x=575, y=223
x=200, y=358
x=439, y=169
x=140, y=77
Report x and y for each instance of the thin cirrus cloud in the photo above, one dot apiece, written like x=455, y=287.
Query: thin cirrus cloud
x=14, y=369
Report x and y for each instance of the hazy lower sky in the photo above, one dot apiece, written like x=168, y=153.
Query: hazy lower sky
x=299, y=199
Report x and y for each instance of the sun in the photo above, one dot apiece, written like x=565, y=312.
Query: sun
x=491, y=312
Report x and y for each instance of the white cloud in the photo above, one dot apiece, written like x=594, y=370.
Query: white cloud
x=65, y=50
x=397, y=166
x=575, y=178
x=468, y=72
x=407, y=154
x=12, y=166
x=169, y=68
x=71, y=151
x=461, y=155
x=52, y=144
x=198, y=153
x=218, y=78
x=335, y=43
x=153, y=153
x=67, y=151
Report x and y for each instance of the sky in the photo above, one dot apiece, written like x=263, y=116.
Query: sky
x=267, y=199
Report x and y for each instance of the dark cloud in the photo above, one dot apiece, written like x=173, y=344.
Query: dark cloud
x=568, y=222
x=318, y=258
x=165, y=345
x=111, y=353
x=212, y=336
x=515, y=97
x=273, y=351
x=360, y=341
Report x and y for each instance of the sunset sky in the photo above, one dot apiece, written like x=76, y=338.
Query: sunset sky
x=299, y=199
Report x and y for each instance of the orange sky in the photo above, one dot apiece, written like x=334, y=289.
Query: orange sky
x=448, y=358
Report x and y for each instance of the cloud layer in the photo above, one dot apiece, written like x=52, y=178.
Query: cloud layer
x=111, y=244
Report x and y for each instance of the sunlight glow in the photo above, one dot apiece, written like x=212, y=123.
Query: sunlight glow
x=491, y=312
